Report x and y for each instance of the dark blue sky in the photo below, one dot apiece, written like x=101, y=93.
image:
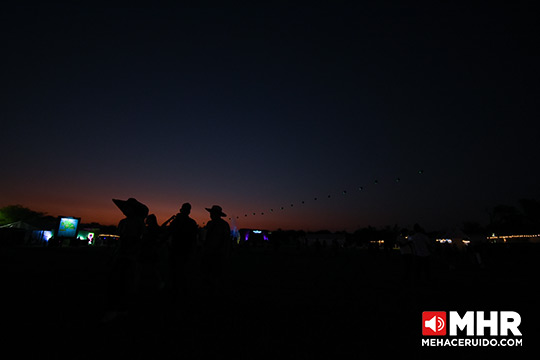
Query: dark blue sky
x=259, y=106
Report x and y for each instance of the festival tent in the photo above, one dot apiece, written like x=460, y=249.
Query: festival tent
x=16, y=233
x=23, y=233
x=455, y=237
x=18, y=225
x=325, y=239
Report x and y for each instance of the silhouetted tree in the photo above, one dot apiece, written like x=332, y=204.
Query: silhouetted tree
x=473, y=228
x=505, y=219
x=13, y=213
x=365, y=235
x=531, y=214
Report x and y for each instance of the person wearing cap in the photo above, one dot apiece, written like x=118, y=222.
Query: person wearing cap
x=183, y=236
x=216, y=247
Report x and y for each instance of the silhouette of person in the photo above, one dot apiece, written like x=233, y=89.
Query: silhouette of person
x=183, y=236
x=122, y=277
x=422, y=253
x=406, y=252
x=151, y=278
x=216, y=247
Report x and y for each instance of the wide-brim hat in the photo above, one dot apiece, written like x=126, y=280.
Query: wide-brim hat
x=216, y=210
x=132, y=206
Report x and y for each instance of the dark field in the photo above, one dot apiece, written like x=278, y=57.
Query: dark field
x=292, y=304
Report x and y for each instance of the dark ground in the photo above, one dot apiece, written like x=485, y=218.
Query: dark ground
x=286, y=305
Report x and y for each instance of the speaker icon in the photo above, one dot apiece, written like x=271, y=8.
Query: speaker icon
x=434, y=323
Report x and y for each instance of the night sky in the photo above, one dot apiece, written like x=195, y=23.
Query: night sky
x=257, y=107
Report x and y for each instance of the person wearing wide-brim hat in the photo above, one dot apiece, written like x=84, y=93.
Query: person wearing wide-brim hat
x=217, y=246
x=132, y=227
x=132, y=207
x=216, y=211
x=123, y=275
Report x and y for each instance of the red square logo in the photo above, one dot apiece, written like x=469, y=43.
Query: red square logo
x=434, y=323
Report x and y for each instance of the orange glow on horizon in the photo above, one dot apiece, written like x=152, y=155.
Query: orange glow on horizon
x=107, y=213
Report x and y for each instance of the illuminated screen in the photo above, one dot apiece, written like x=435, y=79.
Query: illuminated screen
x=67, y=227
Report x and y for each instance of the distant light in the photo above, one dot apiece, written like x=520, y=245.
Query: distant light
x=47, y=235
x=257, y=231
x=444, y=241
x=513, y=237
x=109, y=235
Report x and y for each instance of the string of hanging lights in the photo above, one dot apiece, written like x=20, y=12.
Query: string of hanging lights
x=315, y=198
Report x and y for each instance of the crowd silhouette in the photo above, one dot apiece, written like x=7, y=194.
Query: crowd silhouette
x=151, y=271
x=150, y=260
